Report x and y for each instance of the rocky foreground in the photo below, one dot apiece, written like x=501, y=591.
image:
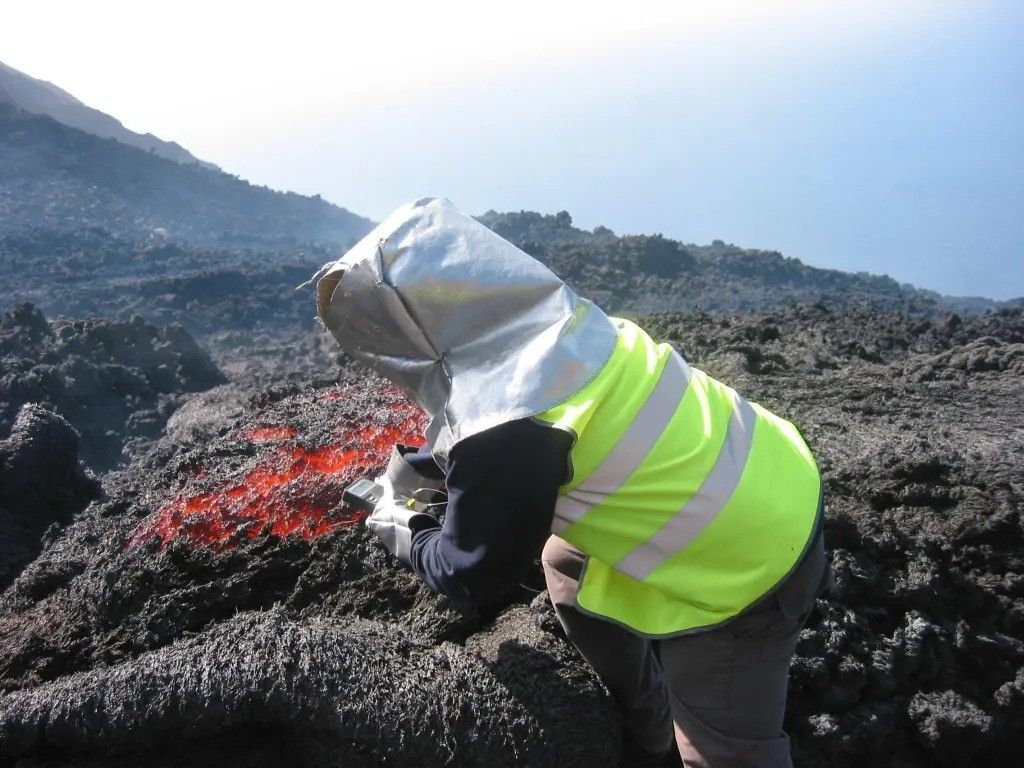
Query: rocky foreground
x=218, y=603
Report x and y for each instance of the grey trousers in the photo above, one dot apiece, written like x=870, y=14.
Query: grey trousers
x=720, y=694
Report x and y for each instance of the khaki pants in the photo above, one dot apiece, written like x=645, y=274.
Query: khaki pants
x=720, y=693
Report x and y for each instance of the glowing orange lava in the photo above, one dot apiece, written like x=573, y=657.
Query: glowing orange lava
x=295, y=490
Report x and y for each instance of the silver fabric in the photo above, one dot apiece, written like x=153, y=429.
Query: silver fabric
x=704, y=506
x=617, y=467
x=407, y=481
x=476, y=331
x=392, y=523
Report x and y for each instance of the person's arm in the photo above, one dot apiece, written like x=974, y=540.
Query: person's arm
x=502, y=487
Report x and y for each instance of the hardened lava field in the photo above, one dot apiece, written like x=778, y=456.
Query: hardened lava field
x=218, y=603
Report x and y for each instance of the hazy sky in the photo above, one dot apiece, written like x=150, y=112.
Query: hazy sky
x=878, y=136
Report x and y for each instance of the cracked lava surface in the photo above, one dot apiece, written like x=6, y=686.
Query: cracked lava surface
x=294, y=489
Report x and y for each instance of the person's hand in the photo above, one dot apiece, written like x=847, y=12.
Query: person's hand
x=394, y=522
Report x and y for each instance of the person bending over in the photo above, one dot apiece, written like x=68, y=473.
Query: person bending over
x=679, y=524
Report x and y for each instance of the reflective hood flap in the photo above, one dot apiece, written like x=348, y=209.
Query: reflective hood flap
x=478, y=332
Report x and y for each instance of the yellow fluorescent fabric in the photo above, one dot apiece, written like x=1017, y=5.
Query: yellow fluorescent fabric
x=612, y=398
x=671, y=473
x=714, y=508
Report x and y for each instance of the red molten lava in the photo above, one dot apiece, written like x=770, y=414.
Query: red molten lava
x=295, y=490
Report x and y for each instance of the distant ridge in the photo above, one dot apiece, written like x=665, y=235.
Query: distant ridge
x=86, y=206
x=644, y=274
x=62, y=179
x=43, y=98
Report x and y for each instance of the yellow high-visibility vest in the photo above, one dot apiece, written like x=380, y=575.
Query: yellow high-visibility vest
x=691, y=502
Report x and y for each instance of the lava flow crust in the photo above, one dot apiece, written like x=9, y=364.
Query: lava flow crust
x=218, y=605
x=215, y=606
x=293, y=490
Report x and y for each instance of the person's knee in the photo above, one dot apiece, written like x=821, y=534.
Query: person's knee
x=563, y=566
x=561, y=557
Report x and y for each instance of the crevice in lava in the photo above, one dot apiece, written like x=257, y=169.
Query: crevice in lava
x=294, y=489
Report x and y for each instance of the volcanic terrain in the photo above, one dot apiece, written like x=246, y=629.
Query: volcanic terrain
x=217, y=602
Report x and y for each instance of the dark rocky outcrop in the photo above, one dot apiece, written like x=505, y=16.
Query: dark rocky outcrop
x=116, y=382
x=641, y=274
x=42, y=484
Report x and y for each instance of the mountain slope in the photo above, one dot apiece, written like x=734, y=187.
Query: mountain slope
x=43, y=98
x=60, y=178
x=60, y=186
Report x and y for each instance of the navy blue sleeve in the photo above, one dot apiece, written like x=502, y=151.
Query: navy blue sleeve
x=502, y=487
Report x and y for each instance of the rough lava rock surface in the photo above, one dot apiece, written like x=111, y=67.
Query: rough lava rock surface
x=115, y=381
x=42, y=484
x=916, y=657
x=220, y=586
x=220, y=602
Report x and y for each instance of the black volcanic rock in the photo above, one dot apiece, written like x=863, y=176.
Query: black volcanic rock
x=41, y=483
x=115, y=382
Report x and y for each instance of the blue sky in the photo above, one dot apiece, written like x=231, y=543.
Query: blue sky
x=886, y=137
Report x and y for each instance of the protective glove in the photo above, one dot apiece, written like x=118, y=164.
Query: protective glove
x=394, y=522
x=405, y=480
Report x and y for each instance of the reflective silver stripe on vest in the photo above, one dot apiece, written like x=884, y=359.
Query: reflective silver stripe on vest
x=704, y=506
x=616, y=468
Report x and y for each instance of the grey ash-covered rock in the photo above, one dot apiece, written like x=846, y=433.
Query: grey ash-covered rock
x=82, y=180
x=241, y=305
x=42, y=484
x=115, y=382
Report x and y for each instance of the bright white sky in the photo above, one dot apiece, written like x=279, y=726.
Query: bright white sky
x=856, y=134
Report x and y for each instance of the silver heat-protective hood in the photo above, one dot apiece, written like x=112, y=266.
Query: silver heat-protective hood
x=478, y=332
